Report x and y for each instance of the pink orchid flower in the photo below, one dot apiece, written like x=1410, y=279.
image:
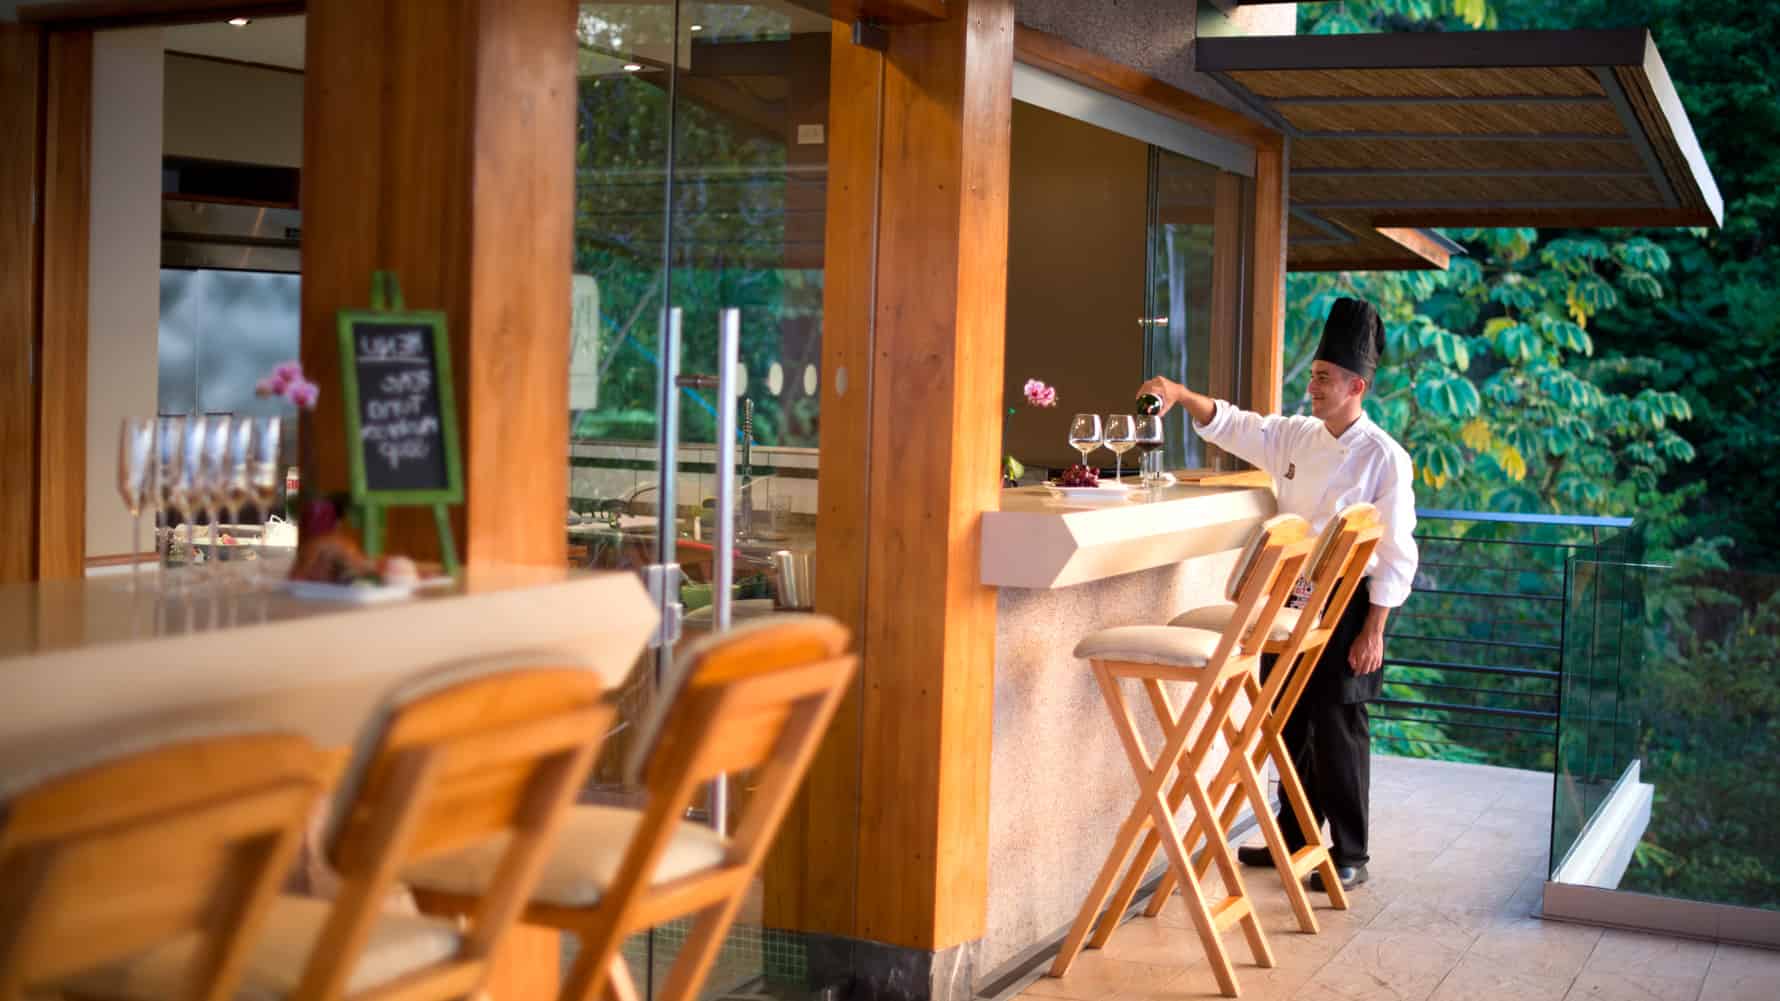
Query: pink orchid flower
x=1040, y=395
x=303, y=394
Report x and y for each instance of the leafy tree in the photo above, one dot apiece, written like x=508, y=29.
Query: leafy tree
x=1492, y=382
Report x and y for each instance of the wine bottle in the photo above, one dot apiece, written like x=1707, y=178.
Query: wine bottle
x=1149, y=404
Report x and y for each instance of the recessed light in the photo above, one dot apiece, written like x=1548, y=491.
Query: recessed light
x=240, y=22
x=632, y=67
x=698, y=27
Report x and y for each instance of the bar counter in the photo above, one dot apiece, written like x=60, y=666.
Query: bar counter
x=97, y=661
x=1060, y=784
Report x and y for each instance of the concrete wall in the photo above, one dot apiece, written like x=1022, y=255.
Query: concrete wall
x=124, y=291
x=1077, y=222
x=1155, y=36
x=240, y=114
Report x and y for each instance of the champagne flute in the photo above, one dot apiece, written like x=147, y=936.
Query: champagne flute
x=169, y=466
x=262, y=477
x=1149, y=443
x=1121, y=437
x=237, y=488
x=135, y=482
x=213, y=480
x=1084, y=434
x=190, y=486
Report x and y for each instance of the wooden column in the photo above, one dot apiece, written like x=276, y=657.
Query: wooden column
x=813, y=866
x=21, y=159
x=933, y=469
x=1267, y=288
x=439, y=144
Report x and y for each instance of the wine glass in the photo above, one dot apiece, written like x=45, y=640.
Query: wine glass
x=1149, y=443
x=1084, y=434
x=1121, y=437
x=169, y=474
x=213, y=459
x=135, y=479
x=262, y=476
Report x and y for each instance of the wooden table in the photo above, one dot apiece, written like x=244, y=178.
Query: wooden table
x=98, y=661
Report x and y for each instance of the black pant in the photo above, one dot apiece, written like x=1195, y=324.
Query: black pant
x=1330, y=741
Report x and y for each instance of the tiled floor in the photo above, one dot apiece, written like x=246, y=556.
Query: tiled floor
x=1458, y=861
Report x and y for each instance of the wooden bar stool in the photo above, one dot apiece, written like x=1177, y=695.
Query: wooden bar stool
x=178, y=847
x=758, y=697
x=453, y=758
x=1215, y=664
x=1296, y=642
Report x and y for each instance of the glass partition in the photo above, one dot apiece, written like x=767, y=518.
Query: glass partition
x=1674, y=708
x=701, y=188
x=1197, y=232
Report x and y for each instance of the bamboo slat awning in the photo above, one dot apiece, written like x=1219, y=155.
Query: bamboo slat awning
x=1392, y=133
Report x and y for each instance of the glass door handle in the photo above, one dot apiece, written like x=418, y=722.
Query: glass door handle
x=729, y=340
x=729, y=337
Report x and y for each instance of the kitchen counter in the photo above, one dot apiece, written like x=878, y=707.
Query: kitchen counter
x=1038, y=541
x=1059, y=783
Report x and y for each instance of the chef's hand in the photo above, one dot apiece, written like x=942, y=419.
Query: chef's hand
x=1367, y=653
x=1166, y=389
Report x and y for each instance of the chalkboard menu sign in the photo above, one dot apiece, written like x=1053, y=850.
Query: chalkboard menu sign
x=401, y=424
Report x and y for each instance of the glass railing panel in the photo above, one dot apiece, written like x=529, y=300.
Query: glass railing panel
x=1672, y=705
x=1476, y=657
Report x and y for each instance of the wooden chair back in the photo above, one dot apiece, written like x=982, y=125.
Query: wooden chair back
x=755, y=699
x=1262, y=583
x=1338, y=563
x=190, y=838
x=460, y=756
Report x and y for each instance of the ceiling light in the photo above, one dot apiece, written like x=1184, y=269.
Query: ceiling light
x=698, y=27
x=240, y=22
x=632, y=67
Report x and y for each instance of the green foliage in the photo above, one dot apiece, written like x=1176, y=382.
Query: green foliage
x=1491, y=378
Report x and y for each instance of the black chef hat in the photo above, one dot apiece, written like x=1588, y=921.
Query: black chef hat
x=1353, y=337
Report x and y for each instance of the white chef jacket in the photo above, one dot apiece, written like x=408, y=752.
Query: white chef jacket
x=1317, y=474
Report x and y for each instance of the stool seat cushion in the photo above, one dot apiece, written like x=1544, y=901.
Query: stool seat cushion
x=1217, y=619
x=399, y=944
x=589, y=849
x=1166, y=645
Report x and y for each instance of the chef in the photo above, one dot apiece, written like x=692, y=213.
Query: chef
x=1321, y=464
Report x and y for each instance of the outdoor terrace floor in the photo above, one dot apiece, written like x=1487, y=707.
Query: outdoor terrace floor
x=1458, y=863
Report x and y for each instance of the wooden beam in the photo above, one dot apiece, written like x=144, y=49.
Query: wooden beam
x=890, y=11
x=62, y=355
x=21, y=161
x=1090, y=69
x=1267, y=283
x=1424, y=50
x=935, y=380
x=1419, y=243
x=91, y=15
x=458, y=177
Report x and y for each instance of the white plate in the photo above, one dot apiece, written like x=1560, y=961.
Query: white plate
x=1105, y=493
x=356, y=594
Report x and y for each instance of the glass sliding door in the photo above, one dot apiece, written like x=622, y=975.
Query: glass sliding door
x=701, y=195
x=1197, y=233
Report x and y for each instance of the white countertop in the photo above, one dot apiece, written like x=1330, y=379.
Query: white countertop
x=1038, y=541
x=91, y=661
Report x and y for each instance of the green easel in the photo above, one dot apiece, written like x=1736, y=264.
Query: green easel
x=408, y=414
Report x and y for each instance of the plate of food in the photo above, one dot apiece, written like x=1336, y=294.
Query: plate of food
x=1079, y=484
